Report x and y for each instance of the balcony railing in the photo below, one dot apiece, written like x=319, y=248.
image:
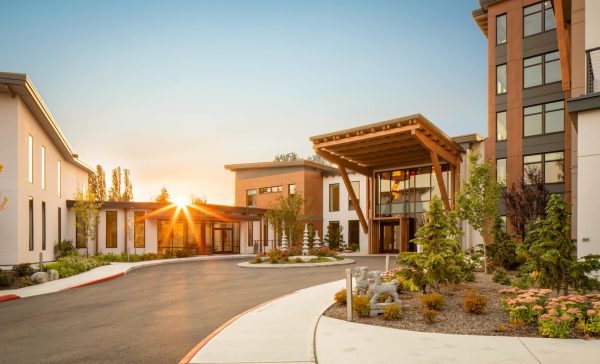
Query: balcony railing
x=593, y=70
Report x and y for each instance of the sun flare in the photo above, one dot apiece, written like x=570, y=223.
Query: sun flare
x=181, y=202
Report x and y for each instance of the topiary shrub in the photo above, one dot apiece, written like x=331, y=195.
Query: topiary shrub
x=64, y=248
x=340, y=297
x=429, y=315
x=432, y=301
x=392, y=312
x=501, y=276
x=474, y=302
x=361, y=305
x=23, y=270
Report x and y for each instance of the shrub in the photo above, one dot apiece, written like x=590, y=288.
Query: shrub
x=503, y=250
x=523, y=281
x=392, y=312
x=277, y=256
x=322, y=252
x=432, y=301
x=64, y=248
x=5, y=279
x=355, y=247
x=150, y=256
x=429, y=315
x=361, y=305
x=257, y=259
x=501, y=276
x=298, y=260
x=23, y=270
x=555, y=326
x=524, y=306
x=181, y=253
x=168, y=255
x=340, y=297
x=26, y=282
x=474, y=302
x=72, y=265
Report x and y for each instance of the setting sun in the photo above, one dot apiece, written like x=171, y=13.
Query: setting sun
x=181, y=202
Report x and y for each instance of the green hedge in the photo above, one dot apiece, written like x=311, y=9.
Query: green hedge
x=72, y=265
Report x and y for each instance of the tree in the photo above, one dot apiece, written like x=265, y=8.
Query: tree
x=526, y=201
x=503, y=250
x=440, y=259
x=163, y=196
x=128, y=189
x=334, y=236
x=478, y=200
x=318, y=159
x=551, y=252
x=114, y=193
x=285, y=212
x=286, y=157
x=4, y=200
x=87, y=209
x=101, y=183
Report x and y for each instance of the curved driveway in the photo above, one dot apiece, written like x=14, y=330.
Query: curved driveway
x=151, y=315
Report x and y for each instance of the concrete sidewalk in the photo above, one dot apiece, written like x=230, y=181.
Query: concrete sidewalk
x=104, y=273
x=287, y=330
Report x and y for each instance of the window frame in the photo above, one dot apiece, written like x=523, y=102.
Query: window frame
x=31, y=224
x=43, y=167
x=106, y=229
x=543, y=113
x=543, y=69
x=43, y=225
x=59, y=223
x=30, y=178
x=294, y=187
x=331, y=201
x=505, y=170
x=505, y=78
x=505, y=16
x=59, y=177
x=542, y=13
x=543, y=165
x=136, y=221
x=255, y=197
x=505, y=126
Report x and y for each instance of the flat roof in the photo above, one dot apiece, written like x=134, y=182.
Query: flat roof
x=283, y=164
x=20, y=84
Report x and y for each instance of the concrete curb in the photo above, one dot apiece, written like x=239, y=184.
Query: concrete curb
x=108, y=278
x=9, y=297
x=298, y=265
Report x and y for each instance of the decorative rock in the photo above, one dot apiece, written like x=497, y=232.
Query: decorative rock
x=305, y=241
x=40, y=277
x=317, y=242
x=53, y=274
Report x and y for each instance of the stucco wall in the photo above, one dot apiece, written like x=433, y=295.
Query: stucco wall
x=592, y=25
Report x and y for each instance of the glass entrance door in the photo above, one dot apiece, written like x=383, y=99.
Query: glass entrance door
x=389, y=236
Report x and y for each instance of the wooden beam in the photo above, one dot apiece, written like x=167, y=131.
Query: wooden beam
x=393, y=139
x=364, y=137
x=337, y=160
x=436, y=148
x=10, y=90
x=400, y=164
x=563, y=44
x=440, y=180
x=385, y=149
x=355, y=201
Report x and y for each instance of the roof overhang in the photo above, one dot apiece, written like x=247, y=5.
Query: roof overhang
x=283, y=164
x=401, y=142
x=19, y=84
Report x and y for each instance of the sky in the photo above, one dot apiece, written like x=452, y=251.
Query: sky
x=174, y=90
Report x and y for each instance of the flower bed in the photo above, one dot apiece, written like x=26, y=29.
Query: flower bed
x=278, y=256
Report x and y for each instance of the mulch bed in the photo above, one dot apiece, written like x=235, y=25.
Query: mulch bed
x=452, y=319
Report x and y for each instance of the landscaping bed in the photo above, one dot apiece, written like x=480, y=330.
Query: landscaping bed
x=452, y=319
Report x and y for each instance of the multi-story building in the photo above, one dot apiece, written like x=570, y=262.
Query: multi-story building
x=541, y=113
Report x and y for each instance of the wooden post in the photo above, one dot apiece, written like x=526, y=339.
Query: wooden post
x=349, y=294
x=440, y=179
x=355, y=201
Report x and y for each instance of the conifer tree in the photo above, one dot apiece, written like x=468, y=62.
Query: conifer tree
x=114, y=193
x=163, y=196
x=101, y=183
x=128, y=189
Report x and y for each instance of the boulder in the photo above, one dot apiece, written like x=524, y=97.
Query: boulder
x=40, y=277
x=53, y=274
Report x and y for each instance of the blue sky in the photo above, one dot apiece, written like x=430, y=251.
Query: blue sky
x=174, y=90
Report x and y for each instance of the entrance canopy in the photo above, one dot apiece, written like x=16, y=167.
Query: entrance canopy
x=403, y=142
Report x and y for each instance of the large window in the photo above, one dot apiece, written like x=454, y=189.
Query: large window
x=501, y=170
x=501, y=79
x=251, y=198
x=353, y=232
x=43, y=164
x=59, y=178
x=501, y=125
x=334, y=197
x=550, y=165
x=356, y=188
x=59, y=223
x=30, y=159
x=139, y=229
x=292, y=189
x=541, y=70
x=538, y=18
x=43, y=225
x=544, y=119
x=501, y=29
x=111, y=229
x=250, y=233
x=30, y=223
x=272, y=189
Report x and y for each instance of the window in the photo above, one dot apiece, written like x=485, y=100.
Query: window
x=58, y=178
x=80, y=234
x=501, y=125
x=273, y=189
x=43, y=225
x=292, y=189
x=550, y=165
x=139, y=229
x=503, y=218
x=111, y=229
x=59, y=223
x=251, y=198
x=543, y=119
x=353, y=232
x=43, y=167
x=501, y=79
x=538, y=18
x=250, y=233
x=334, y=197
x=501, y=170
x=30, y=159
x=541, y=70
x=501, y=29
x=30, y=224
x=356, y=188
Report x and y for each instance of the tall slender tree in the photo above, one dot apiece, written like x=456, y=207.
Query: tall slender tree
x=114, y=193
x=101, y=183
x=128, y=189
x=87, y=209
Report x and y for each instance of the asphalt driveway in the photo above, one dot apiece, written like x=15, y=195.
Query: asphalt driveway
x=151, y=315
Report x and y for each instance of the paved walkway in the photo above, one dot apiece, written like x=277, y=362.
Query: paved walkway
x=101, y=274
x=287, y=330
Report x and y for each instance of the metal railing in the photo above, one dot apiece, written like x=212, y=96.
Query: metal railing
x=593, y=70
